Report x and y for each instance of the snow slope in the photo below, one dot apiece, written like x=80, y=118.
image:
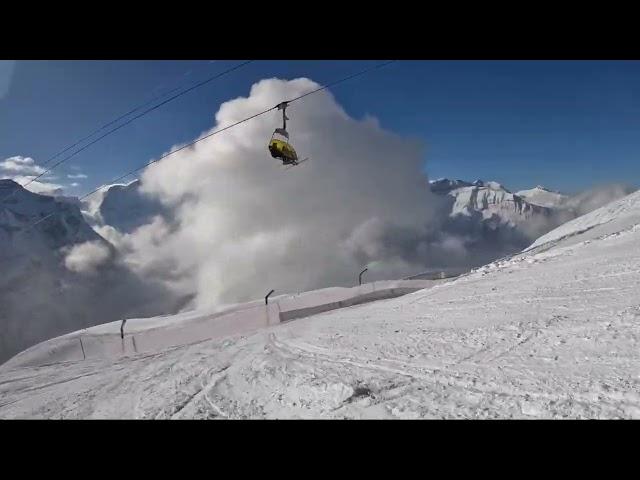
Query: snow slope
x=143, y=335
x=611, y=218
x=553, y=332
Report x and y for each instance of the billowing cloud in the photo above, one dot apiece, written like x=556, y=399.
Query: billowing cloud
x=87, y=257
x=242, y=225
x=20, y=165
x=43, y=188
x=23, y=170
x=595, y=197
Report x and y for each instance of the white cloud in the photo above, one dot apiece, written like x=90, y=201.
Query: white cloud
x=595, y=197
x=20, y=165
x=43, y=188
x=78, y=176
x=86, y=258
x=23, y=170
x=244, y=225
x=75, y=184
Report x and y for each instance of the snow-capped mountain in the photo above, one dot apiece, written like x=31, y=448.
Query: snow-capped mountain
x=49, y=283
x=444, y=185
x=123, y=207
x=543, y=197
x=493, y=201
x=488, y=219
x=20, y=208
x=495, y=222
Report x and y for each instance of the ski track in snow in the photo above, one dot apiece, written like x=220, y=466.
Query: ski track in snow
x=549, y=333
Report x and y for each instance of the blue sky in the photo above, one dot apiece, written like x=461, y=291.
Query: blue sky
x=567, y=125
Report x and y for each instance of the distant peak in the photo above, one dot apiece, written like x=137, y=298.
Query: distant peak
x=7, y=182
x=121, y=186
x=545, y=189
x=491, y=185
x=444, y=185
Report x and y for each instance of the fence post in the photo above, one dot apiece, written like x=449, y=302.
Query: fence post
x=266, y=299
x=360, y=276
x=84, y=357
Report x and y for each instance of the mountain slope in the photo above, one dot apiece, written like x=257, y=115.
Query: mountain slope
x=492, y=200
x=24, y=208
x=49, y=283
x=549, y=333
x=488, y=219
x=27, y=250
x=123, y=207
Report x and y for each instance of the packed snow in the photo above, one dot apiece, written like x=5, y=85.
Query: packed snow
x=552, y=332
x=143, y=335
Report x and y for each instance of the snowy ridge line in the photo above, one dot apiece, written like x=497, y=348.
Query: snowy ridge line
x=552, y=243
x=619, y=210
x=155, y=334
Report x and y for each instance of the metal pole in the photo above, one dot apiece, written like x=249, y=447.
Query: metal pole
x=266, y=299
x=360, y=276
x=122, y=328
x=84, y=357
